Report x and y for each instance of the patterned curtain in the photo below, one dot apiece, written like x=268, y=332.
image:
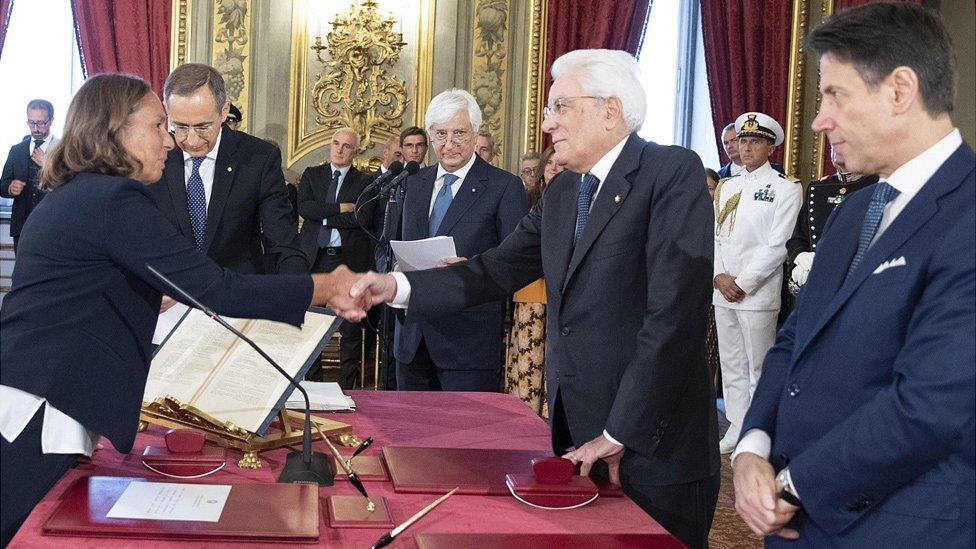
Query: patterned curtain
x=6, y=7
x=125, y=36
x=747, y=55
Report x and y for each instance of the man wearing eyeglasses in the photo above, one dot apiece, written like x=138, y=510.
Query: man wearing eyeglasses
x=478, y=205
x=221, y=188
x=24, y=162
x=529, y=168
x=624, y=239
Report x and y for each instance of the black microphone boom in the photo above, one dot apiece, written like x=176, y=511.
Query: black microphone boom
x=408, y=170
x=393, y=171
x=306, y=467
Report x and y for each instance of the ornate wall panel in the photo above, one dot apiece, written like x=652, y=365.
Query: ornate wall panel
x=489, y=65
x=231, y=49
x=351, y=65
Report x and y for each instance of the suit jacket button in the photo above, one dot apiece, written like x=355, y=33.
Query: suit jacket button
x=564, y=331
x=794, y=390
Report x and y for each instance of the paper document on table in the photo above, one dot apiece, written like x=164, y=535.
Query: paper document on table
x=326, y=397
x=413, y=255
x=167, y=321
x=171, y=501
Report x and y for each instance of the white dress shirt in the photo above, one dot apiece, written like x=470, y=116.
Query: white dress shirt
x=601, y=170
x=909, y=178
x=59, y=433
x=461, y=173
x=49, y=142
x=207, y=167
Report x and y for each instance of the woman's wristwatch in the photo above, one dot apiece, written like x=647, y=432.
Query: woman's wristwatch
x=786, y=491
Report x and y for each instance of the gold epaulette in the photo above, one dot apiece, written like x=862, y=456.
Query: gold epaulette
x=789, y=178
x=718, y=191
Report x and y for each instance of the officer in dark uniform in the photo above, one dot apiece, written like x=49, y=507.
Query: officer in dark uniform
x=821, y=198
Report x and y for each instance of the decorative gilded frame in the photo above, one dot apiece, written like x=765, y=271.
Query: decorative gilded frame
x=301, y=143
x=535, y=93
x=817, y=160
x=794, y=97
x=179, y=32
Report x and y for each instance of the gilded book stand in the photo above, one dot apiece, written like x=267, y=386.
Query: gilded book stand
x=285, y=430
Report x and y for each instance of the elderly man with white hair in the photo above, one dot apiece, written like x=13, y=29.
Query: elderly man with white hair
x=623, y=238
x=478, y=205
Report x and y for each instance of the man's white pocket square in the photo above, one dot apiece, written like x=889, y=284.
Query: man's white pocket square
x=900, y=262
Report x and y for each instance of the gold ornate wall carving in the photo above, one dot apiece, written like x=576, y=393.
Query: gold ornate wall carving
x=310, y=127
x=535, y=92
x=357, y=87
x=231, y=48
x=179, y=32
x=489, y=66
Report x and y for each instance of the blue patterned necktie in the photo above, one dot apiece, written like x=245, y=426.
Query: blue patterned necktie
x=441, y=203
x=325, y=233
x=587, y=188
x=883, y=193
x=197, y=202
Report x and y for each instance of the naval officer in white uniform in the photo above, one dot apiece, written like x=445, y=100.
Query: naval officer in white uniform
x=755, y=213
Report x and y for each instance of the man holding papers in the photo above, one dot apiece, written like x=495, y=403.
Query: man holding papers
x=463, y=197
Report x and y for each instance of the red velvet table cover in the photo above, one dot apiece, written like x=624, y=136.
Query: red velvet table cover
x=430, y=419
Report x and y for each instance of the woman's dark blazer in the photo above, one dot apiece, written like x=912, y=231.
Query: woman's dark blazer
x=77, y=325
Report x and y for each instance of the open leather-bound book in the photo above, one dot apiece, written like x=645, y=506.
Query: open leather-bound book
x=203, y=365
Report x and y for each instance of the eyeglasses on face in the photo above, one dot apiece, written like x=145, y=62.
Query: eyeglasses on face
x=457, y=136
x=527, y=172
x=181, y=130
x=558, y=106
x=38, y=123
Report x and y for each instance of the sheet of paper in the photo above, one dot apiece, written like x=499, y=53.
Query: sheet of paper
x=322, y=396
x=413, y=255
x=171, y=501
x=167, y=321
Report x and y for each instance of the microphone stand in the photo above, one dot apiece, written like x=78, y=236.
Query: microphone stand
x=395, y=197
x=304, y=467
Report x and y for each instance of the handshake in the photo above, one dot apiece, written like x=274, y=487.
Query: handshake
x=351, y=294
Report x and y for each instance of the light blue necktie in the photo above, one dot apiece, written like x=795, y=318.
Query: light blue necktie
x=197, y=202
x=587, y=188
x=441, y=203
x=883, y=193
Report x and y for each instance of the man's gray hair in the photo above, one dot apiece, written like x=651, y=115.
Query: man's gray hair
x=447, y=103
x=608, y=73
x=729, y=126
x=347, y=129
x=189, y=77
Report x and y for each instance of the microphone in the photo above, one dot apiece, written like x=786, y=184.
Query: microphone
x=408, y=170
x=393, y=171
x=307, y=467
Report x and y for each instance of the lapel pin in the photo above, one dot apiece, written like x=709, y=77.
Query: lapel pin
x=230, y=169
x=474, y=190
x=616, y=199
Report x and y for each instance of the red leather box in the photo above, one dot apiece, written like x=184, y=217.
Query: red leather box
x=254, y=511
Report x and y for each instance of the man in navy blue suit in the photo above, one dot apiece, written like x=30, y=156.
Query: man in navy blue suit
x=861, y=431
x=477, y=204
